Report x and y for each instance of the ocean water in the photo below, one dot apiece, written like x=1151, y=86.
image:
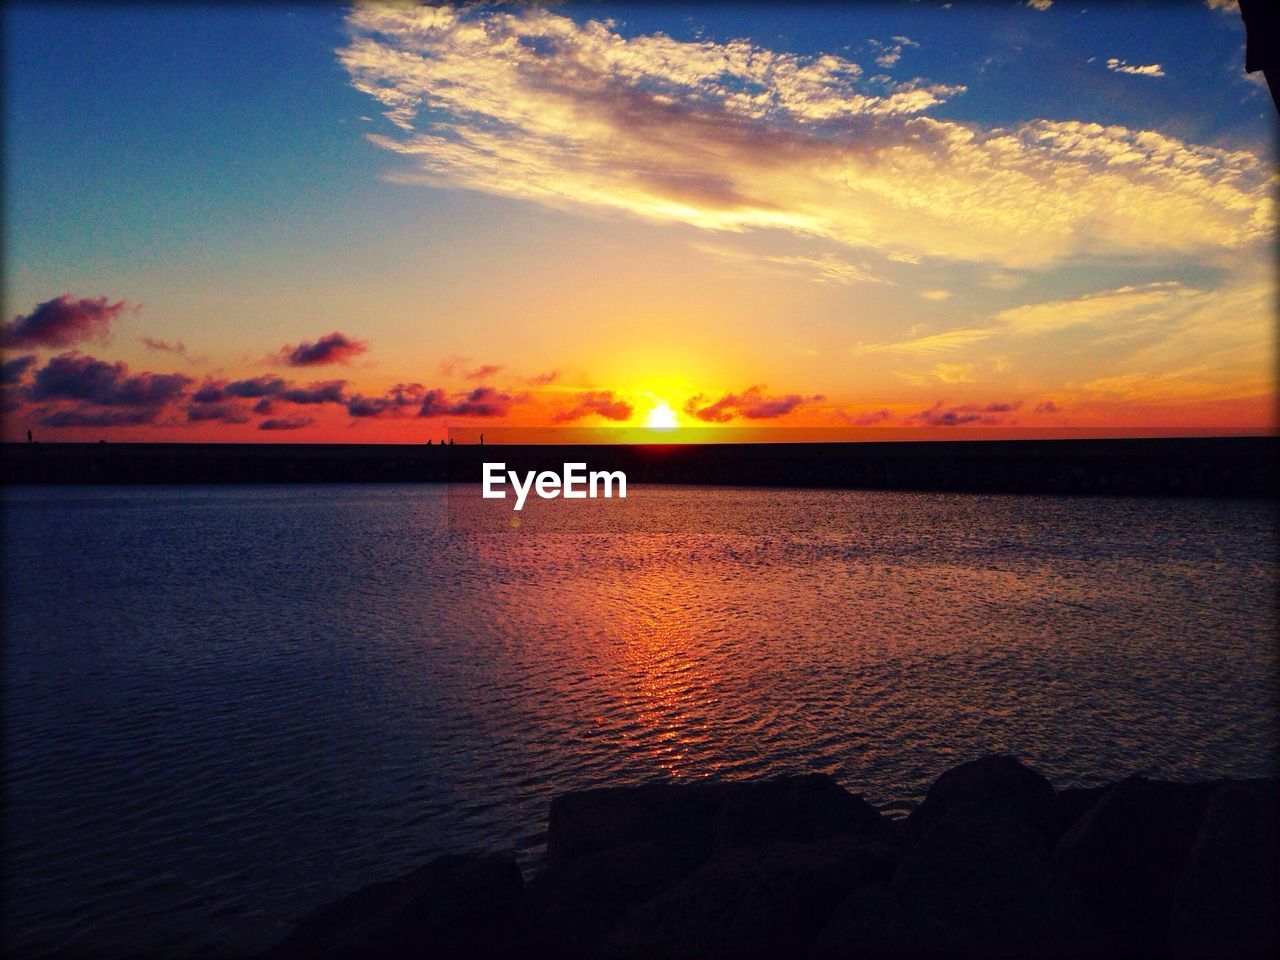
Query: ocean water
x=226, y=705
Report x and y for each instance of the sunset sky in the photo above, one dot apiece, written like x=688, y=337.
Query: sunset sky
x=373, y=224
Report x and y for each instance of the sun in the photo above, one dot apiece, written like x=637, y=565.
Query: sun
x=661, y=417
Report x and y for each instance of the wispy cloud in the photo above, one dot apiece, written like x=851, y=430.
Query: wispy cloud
x=1112, y=309
x=931, y=345
x=889, y=52
x=177, y=348
x=532, y=104
x=823, y=268
x=1144, y=70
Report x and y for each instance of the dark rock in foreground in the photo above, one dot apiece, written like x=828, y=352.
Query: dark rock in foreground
x=1225, y=900
x=993, y=863
x=454, y=906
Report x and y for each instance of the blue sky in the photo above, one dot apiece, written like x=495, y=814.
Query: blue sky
x=171, y=127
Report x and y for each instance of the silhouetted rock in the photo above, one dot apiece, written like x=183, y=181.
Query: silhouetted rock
x=455, y=906
x=1071, y=804
x=873, y=921
x=984, y=872
x=994, y=779
x=1227, y=902
x=573, y=903
x=695, y=819
x=765, y=902
x=991, y=864
x=1126, y=854
x=801, y=809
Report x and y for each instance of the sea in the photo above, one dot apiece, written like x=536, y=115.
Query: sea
x=224, y=706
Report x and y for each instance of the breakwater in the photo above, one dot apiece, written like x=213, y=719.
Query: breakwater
x=1209, y=467
x=994, y=862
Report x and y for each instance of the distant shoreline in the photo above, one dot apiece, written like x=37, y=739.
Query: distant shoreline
x=1235, y=467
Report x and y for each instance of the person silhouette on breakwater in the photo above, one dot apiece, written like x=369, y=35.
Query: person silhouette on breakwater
x=451, y=441
x=482, y=439
x=29, y=436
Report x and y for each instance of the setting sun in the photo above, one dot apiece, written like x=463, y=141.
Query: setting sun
x=661, y=417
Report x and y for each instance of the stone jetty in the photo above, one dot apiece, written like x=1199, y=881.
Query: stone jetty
x=993, y=863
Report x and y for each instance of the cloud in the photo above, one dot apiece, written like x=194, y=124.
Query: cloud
x=1146, y=70
x=965, y=413
x=84, y=417
x=1223, y=6
x=543, y=379
x=1127, y=306
x=932, y=345
x=333, y=348
x=825, y=268
x=751, y=404
x=1047, y=406
x=1041, y=5
x=866, y=419
x=954, y=372
x=324, y=391
x=525, y=102
x=75, y=376
x=62, y=322
x=938, y=295
x=480, y=402
x=393, y=403
x=217, y=412
x=286, y=423
x=599, y=402
x=942, y=373
x=889, y=52
x=151, y=343
x=15, y=368
x=216, y=391
x=482, y=372
x=1003, y=280
x=271, y=387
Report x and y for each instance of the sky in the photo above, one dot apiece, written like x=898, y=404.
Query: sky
x=378, y=223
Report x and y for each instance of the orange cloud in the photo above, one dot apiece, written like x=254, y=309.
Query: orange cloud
x=601, y=403
x=751, y=404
